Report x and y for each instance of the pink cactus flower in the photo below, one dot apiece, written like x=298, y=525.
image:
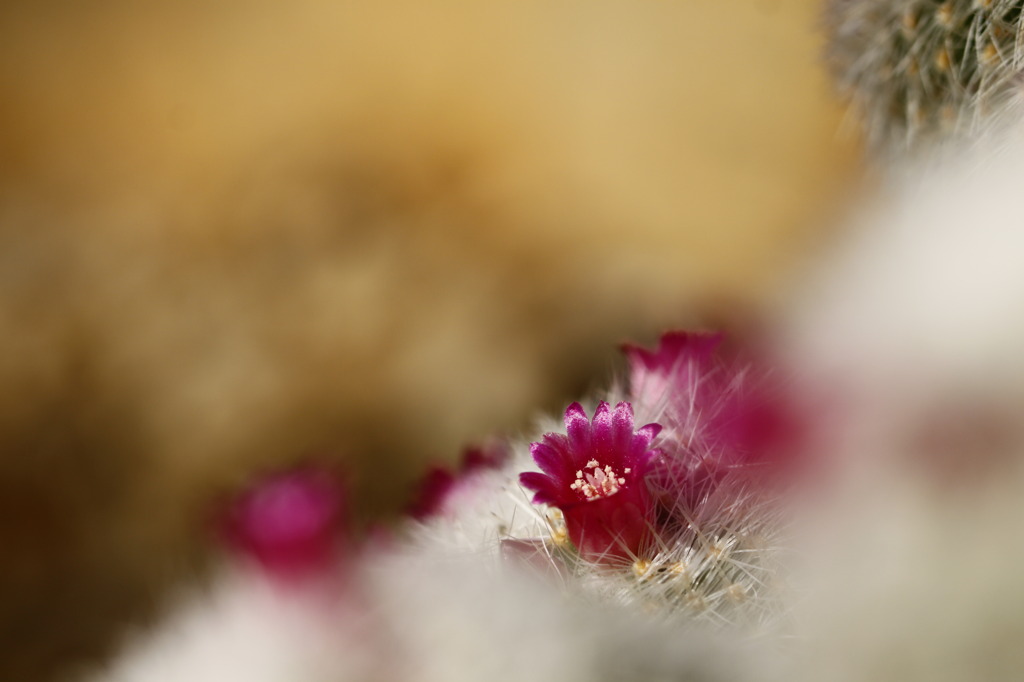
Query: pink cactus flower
x=722, y=413
x=290, y=523
x=596, y=475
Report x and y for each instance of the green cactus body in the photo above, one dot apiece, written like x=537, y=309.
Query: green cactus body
x=920, y=70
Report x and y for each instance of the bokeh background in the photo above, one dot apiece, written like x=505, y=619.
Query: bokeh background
x=236, y=235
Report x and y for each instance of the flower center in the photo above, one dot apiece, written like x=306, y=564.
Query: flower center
x=595, y=482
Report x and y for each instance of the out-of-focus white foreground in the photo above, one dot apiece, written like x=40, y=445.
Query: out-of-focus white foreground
x=910, y=332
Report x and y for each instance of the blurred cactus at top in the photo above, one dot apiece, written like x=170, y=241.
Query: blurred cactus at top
x=917, y=70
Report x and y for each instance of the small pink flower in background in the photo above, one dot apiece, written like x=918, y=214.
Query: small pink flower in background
x=432, y=492
x=439, y=486
x=290, y=523
x=675, y=373
x=721, y=412
x=596, y=476
x=718, y=398
x=686, y=383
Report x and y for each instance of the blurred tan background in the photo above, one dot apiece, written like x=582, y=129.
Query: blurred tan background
x=236, y=234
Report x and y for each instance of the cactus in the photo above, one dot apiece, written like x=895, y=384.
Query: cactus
x=920, y=70
x=676, y=517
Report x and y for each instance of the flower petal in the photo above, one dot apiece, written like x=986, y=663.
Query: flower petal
x=551, y=460
x=648, y=433
x=601, y=439
x=577, y=425
x=622, y=426
x=545, y=487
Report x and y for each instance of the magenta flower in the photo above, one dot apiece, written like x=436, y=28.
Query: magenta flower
x=290, y=523
x=678, y=371
x=722, y=412
x=596, y=476
x=717, y=402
